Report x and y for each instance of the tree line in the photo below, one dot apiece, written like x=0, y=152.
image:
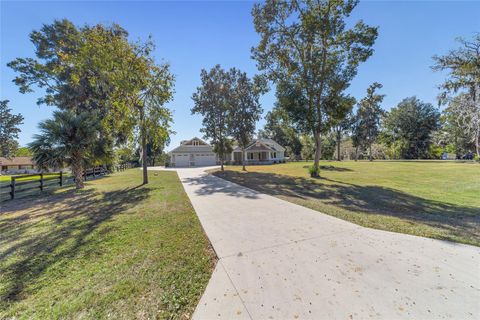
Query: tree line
x=309, y=53
x=111, y=94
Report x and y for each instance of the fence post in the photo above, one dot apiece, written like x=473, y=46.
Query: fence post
x=61, y=178
x=12, y=188
x=93, y=172
x=41, y=181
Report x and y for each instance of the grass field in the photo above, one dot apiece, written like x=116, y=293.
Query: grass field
x=114, y=250
x=427, y=198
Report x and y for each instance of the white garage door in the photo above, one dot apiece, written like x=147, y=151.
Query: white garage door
x=181, y=160
x=205, y=159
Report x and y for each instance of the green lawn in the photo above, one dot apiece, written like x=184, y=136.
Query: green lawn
x=115, y=250
x=427, y=198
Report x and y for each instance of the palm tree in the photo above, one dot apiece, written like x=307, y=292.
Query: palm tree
x=69, y=139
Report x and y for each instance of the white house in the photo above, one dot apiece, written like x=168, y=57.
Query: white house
x=196, y=153
x=193, y=153
x=259, y=151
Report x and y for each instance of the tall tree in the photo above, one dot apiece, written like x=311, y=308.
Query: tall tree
x=463, y=67
x=69, y=139
x=154, y=119
x=8, y=130
x=370, y=113
x=212, y=101
x=357, y=134
x=340, y=127
x=466, y=116
x=279, y=127
x=245, y=107
x=308, y=43
x=412, y=122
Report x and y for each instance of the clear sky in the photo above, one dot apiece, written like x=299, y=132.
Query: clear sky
x=195, y=35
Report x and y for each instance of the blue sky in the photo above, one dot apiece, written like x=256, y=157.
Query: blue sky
x=195, y=35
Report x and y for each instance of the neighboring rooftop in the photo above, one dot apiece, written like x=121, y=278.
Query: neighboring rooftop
x=17, y=161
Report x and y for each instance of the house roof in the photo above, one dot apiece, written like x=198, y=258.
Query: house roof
x=262, y=145
x=17, y=161
x=187, y=146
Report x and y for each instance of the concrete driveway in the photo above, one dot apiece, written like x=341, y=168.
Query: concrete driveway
x=279, y=260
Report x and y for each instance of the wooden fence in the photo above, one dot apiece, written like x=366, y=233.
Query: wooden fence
x=25, y=184
x=30, y=182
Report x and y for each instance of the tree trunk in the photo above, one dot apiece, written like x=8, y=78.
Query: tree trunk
x=77, y=171
x=339, y=138
x=243, y=160
x=318, y=146
x=144, y=160
x=144, y=146
x=356, y=153
x=221, y=162
x=370, y=152
x=477, y=146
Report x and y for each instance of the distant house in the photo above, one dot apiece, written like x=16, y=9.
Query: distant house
x=259, y=151
x=196, y=153
x=17, y=165
x=193, y=153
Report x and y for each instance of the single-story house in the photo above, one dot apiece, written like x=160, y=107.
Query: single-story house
x=196, y=153
x=17, y=165
x=259, y=151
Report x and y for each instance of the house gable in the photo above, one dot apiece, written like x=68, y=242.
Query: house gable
x=194, y=142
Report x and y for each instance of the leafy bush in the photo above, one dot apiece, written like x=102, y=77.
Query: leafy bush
x=314, y=171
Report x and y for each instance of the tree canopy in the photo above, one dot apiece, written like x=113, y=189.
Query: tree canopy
x=412, y=122
x=307, y=47
x=9, y=130
x=369, y=115
x=211, y=100
x=96, y=70
x=244, y=99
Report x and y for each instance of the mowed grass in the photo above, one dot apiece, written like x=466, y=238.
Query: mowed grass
x=115, y=250
x=435, y=199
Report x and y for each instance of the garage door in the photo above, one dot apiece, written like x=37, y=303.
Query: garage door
x=181, y=160
x=205, y=159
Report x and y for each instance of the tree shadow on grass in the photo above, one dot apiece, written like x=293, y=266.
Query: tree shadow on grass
x=455, y=220
x=331, y=168
x=61, y=226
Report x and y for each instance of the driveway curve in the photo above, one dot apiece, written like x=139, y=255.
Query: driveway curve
x=278, y=260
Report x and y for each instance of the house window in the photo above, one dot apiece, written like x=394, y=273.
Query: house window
x=196, y=142
x=274, y=155
x=250, y=156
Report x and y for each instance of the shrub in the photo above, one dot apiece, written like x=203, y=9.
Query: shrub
x=314, y=172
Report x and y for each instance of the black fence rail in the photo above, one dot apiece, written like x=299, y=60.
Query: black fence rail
x=95, y=172
x=25, y=184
